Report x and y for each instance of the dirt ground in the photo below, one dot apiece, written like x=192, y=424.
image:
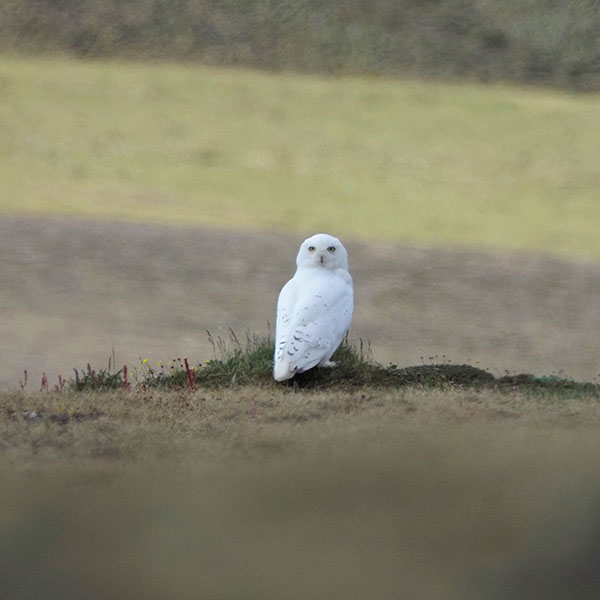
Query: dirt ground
x=71, y=291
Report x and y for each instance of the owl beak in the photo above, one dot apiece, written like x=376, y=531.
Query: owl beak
x=321, y=258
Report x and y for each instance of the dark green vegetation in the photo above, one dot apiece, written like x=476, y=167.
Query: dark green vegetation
x=533, y=41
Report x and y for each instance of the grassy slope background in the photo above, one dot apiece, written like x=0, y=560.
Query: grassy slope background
x=369, y=158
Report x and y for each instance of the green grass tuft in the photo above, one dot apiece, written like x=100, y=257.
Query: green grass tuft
x=238, y=364
x=92, y=379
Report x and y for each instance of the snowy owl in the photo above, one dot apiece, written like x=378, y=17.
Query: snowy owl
x=314, y=309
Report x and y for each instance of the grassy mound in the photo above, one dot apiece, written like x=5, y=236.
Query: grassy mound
x=251, y=363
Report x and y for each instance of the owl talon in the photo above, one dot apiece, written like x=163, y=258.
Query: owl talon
x=328, y=364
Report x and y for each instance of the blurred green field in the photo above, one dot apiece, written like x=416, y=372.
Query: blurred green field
x=369, y=158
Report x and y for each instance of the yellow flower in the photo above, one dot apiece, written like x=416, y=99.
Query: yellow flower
x=144, y=361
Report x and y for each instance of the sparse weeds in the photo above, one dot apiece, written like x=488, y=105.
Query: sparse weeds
x=44, y=383
x=190, y=376
x=23, y=382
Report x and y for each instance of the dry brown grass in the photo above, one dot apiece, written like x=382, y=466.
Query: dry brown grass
x=71, y=291
x=150, y=424
x=269, y=493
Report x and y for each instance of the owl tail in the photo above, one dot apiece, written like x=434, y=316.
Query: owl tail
x=283, y=370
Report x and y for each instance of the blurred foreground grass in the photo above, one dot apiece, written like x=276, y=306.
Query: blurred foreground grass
x=364, y=157
x=251, y=492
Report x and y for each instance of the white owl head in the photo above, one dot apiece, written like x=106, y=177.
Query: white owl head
x=322, y=251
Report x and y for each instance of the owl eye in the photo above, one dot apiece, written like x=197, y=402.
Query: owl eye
x=311, y=248
x=331, y=249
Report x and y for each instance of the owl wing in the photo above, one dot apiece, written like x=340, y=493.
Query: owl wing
x=284, y=322
x=312, y=318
